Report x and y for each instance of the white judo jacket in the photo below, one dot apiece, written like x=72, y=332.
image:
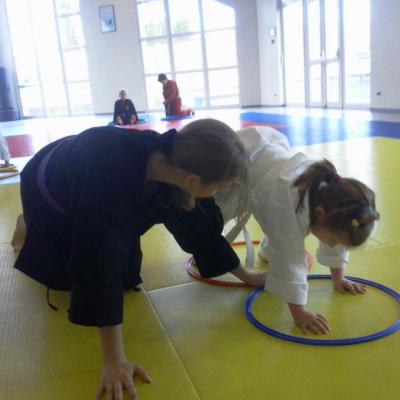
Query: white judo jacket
x=273, y=201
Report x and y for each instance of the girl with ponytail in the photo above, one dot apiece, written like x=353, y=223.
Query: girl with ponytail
x=292, y=196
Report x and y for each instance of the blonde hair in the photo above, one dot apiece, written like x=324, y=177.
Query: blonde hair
x=211, y=149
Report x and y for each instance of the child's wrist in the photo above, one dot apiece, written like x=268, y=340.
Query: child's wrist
x=116, y=359
x=296, y=309
x=337, y=274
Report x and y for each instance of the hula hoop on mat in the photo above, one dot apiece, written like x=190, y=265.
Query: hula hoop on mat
x=333, y=342
x=191, y=269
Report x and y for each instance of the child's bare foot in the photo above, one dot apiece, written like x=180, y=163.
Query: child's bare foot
x=19, y=234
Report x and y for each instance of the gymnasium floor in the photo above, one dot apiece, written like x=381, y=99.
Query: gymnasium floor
x=193, y=338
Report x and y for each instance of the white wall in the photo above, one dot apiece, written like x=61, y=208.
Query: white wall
x=115, y=58
x=385, y=51
x=248, y=50
x=271, y=83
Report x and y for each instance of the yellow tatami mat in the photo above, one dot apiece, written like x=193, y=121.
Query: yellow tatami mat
x=10, y=208
x=227, y=358
x=194, y=338
x=163, y=260
x=45, y=357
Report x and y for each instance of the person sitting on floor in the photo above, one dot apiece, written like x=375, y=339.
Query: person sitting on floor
x=124, y=110
x=172, y=100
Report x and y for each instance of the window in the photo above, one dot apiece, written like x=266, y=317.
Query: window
x=50, y=57
x=184, y=16
x=155, y=55
x=152, y=21
x=215, y=41
x=183, y=39
x=187, y=52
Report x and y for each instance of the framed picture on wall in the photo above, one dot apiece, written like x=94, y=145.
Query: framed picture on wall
x=107, y=18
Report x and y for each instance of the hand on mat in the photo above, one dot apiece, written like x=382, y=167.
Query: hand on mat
x=347, y=286
x=116, y=376
x=308, y=321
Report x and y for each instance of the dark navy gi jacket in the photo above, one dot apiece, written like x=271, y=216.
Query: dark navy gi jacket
x=86, y=203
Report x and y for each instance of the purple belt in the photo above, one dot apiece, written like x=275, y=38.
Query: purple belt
x=41, y=181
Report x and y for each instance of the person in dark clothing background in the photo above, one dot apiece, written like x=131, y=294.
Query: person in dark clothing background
x=124, y=110
x=172, y=99
x=88, y=198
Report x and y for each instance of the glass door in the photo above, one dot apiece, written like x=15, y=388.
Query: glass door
x=327, y=60
x=315, y=92
x=293, y=53
x=357, y=55
x=293, y=44
x=333, y=76
x=323, y=53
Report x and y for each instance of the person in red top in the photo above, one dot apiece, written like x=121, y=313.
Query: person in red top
x=172, y=100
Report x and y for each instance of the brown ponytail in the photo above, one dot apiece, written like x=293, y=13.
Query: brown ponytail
x=348, y=203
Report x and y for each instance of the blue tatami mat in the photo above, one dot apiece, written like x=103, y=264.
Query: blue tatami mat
x=305, y=130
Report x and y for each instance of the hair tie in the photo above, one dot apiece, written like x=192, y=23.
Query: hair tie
x=366, y=210
x=165, y=141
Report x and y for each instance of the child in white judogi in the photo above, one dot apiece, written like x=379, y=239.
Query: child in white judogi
x=292, y=195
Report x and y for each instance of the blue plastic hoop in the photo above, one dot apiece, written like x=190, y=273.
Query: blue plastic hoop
x=333, y=342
